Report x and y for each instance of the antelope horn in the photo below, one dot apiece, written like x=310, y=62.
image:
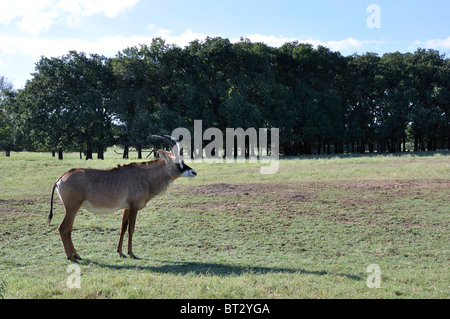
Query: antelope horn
x=170, y=142
x=174, y=145
x=177, y=145
x=175, y=141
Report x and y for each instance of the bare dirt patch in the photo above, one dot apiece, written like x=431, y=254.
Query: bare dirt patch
x=387, y=185
x=275, y=192
x=246, y=198
x=308, y=190
x=16, y=207
x=342, y=201
x=376, y=193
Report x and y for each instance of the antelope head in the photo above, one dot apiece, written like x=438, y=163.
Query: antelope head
x=177, y=167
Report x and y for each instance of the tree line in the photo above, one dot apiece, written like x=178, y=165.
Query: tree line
x=322, y=101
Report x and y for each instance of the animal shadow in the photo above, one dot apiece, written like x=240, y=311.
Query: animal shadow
x=215, y=269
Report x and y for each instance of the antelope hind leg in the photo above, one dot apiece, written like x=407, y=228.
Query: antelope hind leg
x=72, y=249
x=65, y=231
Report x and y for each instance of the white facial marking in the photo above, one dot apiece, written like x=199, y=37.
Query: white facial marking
x=190, y=173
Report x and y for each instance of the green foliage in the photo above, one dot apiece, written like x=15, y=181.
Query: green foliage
x=66, y=104
x=316, y=97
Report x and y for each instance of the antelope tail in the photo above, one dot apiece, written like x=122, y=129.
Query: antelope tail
x=50, y=215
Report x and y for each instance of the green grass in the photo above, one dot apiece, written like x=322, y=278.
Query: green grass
x=309, y=231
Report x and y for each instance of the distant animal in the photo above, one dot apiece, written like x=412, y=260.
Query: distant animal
x=128, y=187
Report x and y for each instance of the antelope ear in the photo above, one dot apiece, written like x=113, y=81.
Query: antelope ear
x=165, y=155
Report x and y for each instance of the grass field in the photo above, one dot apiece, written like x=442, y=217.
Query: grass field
x=309, y=231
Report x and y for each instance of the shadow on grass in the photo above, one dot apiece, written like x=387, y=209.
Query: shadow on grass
x=215, y=269
x=373, y=155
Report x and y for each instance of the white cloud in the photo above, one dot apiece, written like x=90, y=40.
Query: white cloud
x=181, y=40
x=29, y=14
x=88, y=8
x=109, y=46
x=434, y=43
x=276, y=41
x=351, y=44
x=38, y=21
x=37, y=16
x=341, y=45
x=345, y=44
x=269, y=40
x=36, y=46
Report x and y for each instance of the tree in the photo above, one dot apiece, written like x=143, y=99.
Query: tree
x=429, y=99
x=66, y=104
x=364, y=105
x=146, y=93
x=7, y=95
x=394, y=113
x=316, y=97
x=442, y=97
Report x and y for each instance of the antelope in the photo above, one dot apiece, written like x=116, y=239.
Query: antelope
x=128, y=187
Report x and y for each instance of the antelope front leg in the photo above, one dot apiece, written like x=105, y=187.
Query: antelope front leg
x=132, y=221
x=123, y=229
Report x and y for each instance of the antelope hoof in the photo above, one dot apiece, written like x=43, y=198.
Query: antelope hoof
x=132, y=255
x=121, y=255
x=74, y=258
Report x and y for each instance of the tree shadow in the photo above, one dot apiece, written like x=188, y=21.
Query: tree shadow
x=215, y=269
x=369, y=155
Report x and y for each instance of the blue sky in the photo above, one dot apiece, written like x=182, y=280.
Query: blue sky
x=30, y=29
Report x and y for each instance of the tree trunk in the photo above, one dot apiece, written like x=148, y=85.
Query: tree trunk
x=371, y=147
x=298, y=148
x=125, y=152
x=60, y=154
x=399, y=144
x=139, y=149
x=89, y=151
x=362, y=147
x=100, y=154
x=422, y=145
x=309, y=148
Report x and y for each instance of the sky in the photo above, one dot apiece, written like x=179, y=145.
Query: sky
x=51, y=28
